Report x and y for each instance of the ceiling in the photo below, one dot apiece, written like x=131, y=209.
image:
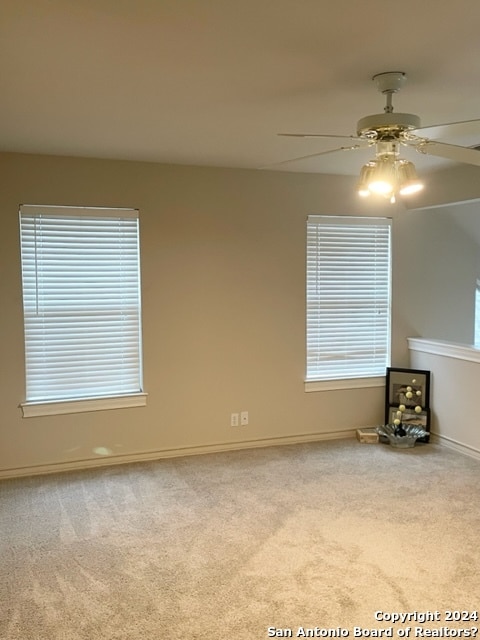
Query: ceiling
x=212, y=82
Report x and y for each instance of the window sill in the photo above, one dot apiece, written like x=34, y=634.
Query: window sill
x=350, y=383
x=58, y=407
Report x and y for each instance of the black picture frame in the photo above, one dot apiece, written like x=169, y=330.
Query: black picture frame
x=399, y=380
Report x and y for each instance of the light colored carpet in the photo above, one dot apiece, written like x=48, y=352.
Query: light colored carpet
x=227, y=545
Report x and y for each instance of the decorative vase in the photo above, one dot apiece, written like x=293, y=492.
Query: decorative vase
x=403, y=436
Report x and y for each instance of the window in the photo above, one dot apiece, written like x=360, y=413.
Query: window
x=476, y=339
x=81, y=300
x=348, y=299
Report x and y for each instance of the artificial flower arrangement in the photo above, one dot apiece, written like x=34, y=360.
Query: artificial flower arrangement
x=400, y=434
x=411, y=395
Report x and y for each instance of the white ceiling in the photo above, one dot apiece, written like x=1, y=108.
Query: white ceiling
x=211, y=82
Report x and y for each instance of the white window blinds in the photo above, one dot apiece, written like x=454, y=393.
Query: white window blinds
x=476, y=338
x=348, y=297
x=81, y=295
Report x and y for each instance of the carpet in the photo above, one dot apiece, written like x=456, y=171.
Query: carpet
x=327, y=539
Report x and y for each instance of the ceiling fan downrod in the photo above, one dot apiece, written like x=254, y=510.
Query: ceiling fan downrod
x=389, y=83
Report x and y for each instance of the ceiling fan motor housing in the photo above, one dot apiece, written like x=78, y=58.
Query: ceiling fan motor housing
x=390, y=81
x=386, y=125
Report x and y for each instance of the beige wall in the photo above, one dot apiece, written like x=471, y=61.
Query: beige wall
x=223, y=270
x=459, y=183
x=455, y=382
x=448, y=214
x=439, y=261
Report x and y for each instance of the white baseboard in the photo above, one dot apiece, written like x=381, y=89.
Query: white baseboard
x=450, y=443
x=91, y=463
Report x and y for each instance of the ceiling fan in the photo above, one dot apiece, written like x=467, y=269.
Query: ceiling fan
x=388, y=174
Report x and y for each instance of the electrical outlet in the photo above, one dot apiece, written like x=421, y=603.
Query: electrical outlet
x=244, y=418
x=234, y=420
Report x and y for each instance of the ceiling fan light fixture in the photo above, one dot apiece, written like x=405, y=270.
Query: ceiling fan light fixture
x=363, y=184
x=363, y=192
x=409, y=189
x=409, y=182
x=380, y=187
x=382, y=179
x=389, y=176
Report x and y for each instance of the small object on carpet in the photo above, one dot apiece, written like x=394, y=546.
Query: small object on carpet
x=367, y=435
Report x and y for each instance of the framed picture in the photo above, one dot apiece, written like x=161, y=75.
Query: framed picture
x=410, y=387
x=410, y=416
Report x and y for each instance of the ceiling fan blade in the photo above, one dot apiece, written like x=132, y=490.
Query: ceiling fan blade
x=316, y=135
x=449, y=129
x=466, y=155
x=315, y=155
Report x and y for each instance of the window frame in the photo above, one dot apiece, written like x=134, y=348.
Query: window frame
x=76, y=403
x=362, y=380
x=476, y=323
